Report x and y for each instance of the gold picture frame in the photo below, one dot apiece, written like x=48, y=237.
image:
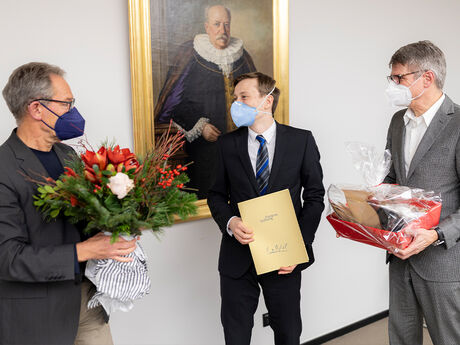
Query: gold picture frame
x=142, y=81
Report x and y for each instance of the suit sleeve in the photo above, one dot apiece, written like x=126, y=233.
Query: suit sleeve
x=218, y=195
x=450, y=226
x=19, y=259
x=313, y=191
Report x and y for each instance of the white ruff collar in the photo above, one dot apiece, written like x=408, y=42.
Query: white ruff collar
x=224, y=58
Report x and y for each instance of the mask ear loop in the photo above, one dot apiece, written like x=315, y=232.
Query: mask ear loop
x=265, y=98
x=52, y=112
x=421, y=93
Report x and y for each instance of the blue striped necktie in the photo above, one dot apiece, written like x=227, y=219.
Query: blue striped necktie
x=262, y=168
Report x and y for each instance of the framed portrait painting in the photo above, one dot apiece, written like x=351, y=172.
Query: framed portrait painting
x=184, y=59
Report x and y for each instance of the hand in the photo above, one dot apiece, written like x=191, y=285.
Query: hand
x=99, y=247
x=422, y=238
x=286, y=270
x=240, y=231
x=210, y=132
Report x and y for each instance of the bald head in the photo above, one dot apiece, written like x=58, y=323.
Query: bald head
x=213, y=9
x=217, y=25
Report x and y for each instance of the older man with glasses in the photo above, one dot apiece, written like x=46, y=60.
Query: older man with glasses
x=424, y=140
x=43, y=299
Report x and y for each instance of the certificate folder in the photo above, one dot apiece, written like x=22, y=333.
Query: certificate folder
x=278, y=241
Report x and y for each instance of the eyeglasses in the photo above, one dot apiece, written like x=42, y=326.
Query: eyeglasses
x=398, y=77
x=70, y=104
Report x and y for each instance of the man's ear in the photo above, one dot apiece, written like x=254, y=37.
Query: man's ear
x=35, y=110
x=428, y=79
x=269, y=102
x=206, y=27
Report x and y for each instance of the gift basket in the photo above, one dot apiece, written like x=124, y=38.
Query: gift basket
x=380, y=214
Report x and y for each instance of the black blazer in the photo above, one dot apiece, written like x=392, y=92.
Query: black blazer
x=39, y=297
x=295, y=166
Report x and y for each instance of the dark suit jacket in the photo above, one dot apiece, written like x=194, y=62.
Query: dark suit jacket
x=295, y=166
x=39, y=297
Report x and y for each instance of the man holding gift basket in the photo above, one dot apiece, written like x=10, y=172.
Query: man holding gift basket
x=42, y=296
x=424, y=142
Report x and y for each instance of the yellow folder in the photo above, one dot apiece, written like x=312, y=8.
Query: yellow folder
x=277, y=241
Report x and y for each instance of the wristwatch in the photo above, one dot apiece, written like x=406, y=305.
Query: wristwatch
x=440, y=239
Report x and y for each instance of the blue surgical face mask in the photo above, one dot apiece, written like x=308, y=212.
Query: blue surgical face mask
x=69, y=125
x=245, y=115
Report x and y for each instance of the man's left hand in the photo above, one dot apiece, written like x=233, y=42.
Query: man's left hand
x=286, y=270
x=422, y=239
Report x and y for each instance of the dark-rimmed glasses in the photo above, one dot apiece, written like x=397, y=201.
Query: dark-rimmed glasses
x=396, y=78
x=70, y=104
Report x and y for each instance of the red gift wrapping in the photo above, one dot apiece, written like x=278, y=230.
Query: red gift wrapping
x=386, y=239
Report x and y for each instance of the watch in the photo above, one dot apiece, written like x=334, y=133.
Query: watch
x=440, y=239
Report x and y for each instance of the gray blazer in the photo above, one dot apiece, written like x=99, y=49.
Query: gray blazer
x=39, y=296
x=434, y=167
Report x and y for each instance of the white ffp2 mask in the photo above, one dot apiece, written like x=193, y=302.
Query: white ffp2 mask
x=400, y=95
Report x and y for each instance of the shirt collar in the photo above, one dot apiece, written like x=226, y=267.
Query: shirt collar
x=427, y=117
x=268, y=134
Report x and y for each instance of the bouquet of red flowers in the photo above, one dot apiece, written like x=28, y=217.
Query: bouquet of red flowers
x=113, y=191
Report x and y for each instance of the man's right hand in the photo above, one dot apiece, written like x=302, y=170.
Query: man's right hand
x=99, y=247
x=210, y=132
x=240, y=231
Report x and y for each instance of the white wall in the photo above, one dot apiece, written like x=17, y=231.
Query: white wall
x=339, y=53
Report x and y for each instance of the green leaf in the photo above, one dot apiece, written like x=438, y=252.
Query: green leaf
x=108, y=173
x=39, y=202
x=112, y=203
x=48, y=189
x=54, y=213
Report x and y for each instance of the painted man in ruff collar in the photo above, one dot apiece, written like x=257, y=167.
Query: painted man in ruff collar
x=198, y=92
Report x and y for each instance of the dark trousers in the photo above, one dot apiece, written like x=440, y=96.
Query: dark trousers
x=239, y=303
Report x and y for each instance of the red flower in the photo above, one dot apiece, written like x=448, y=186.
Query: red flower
x=90, y=176
x=69, y=172
x=117, y=156
x=132, y=163
x=99, y=158
x=73, y=201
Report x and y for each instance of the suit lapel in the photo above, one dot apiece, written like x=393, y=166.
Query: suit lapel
x=398, y=158
x=27, y=161
x=63, y=156
x=439, y=122
x=242, y=145
x=280, y=151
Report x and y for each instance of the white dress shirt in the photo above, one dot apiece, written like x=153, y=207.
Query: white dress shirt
x=253, y=147
x=416, y=127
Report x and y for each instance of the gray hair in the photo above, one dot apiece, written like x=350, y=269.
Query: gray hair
x=425, y=56
x=26, y=83
x=206, y=12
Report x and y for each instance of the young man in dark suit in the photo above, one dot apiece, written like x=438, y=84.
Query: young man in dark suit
x=262, y=157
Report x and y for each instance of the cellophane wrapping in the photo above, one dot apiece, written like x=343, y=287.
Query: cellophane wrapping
x=380, y=214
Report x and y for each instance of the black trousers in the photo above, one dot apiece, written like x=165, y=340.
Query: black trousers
x=239, y=303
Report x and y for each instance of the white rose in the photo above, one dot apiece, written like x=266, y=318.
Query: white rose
x=120, y=185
